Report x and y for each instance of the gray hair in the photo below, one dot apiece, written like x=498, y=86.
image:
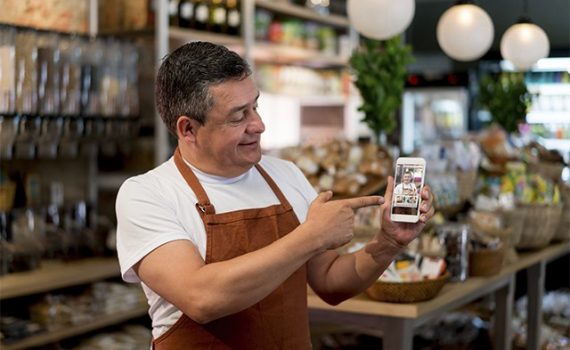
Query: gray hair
x=185, y=76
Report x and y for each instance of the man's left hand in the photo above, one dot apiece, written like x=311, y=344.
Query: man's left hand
x=400, y=234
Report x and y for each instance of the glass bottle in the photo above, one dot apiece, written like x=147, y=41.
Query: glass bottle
x=173, y=16
x=201, y=15
x=217, y=16
x=233, y=23
x=186, y=13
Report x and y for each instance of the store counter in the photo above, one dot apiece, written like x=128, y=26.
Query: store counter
x=396, y=322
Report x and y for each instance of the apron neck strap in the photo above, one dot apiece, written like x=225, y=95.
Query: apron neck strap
x=204, y=206
x=284, y=202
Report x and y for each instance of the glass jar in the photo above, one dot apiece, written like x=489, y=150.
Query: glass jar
x=110, y=86
x=7, y=69
x=48, y=73
x=26, y=72
x=70, y=74
x=455, y=238
x=91, y=75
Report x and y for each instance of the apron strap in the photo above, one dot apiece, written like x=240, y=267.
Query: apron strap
x=274, y=187
x=203, y=206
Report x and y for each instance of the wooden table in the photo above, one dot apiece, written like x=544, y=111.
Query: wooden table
x=396, y=322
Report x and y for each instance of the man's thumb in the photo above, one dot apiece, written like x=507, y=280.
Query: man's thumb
x=324, y=197
x=389, y=191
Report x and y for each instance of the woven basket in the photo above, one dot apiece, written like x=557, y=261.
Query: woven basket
x=563, y=232
x=535, y=224
x=549, y=170
x=466, y=181
x=486, y=262
x=406, y=292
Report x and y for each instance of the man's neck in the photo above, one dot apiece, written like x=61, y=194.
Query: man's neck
x=188, y=154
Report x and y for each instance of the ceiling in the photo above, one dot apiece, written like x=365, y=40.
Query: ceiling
x=552, y=15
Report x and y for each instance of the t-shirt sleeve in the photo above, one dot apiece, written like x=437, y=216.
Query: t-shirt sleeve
x=306, y=188
x=145, y=221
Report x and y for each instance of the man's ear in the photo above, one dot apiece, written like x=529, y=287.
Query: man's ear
x=187, y=128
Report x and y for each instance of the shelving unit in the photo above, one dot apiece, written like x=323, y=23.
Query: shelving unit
x=53, y=275
x=303, y=13
x=66, y=332
x=282, y=54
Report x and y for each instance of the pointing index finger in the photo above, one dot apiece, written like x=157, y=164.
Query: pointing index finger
x=361, y=202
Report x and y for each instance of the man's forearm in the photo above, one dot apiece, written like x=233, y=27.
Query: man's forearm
x=340, y=277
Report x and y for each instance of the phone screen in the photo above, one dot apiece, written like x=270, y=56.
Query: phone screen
x=408, y=183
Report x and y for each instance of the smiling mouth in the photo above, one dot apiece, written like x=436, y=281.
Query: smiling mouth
x=248, y=143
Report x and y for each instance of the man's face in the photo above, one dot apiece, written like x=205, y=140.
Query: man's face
x=229, y=141
x=407, y=178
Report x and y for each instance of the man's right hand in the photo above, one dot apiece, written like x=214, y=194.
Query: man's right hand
x=333, y=221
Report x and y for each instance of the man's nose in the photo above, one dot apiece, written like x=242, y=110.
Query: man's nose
x=256, y=126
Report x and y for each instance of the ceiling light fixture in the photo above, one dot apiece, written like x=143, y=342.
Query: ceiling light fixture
x=465, y=31
x=380, y=19
x=524, y=43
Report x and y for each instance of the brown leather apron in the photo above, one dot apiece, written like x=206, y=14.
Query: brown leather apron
x=279, y=321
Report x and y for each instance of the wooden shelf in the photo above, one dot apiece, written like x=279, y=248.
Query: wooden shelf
x=277, y=53
x=303, y=12
x=53, y=275
x=66, y=332
x=189, y=35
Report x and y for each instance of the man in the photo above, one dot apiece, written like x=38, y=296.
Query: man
x=407, y=187
x=223, y=239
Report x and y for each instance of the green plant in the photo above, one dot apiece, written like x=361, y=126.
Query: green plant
x=380, y=68
x=507, y=99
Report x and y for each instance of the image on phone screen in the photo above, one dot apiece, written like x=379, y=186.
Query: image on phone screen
x=407, y=186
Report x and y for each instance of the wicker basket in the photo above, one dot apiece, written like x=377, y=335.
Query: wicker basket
x=486, y=262
x=549, y=170
x=406, y=292
x=563, y=232
x=535, y=224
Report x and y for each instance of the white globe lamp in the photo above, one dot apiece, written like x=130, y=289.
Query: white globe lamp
x=523, y=44
x=380, y=19
x=465, y=32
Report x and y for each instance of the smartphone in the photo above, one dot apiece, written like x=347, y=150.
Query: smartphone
x=408, y=183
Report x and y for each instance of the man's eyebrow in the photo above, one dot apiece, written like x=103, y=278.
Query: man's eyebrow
x=239, y=108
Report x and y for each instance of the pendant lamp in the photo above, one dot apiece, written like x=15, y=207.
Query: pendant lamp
x=465, y=31
x=524, y=43
x=380, y=19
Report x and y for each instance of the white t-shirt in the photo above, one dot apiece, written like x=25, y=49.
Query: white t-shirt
x=404, y=188
x=159, y=206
